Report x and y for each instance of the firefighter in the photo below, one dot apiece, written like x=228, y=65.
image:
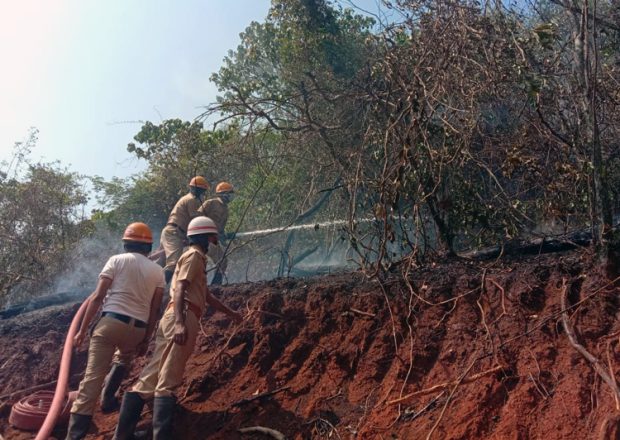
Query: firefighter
x=216, y=209
x=173, y=236
x=129, y=292
x=175, y=338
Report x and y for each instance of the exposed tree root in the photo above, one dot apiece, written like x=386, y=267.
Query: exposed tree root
x=444, y=385
x=261, y=429
x=361, y=312
x=459, y=381
x=596, y=364
x=609, y=428
x=260, y=396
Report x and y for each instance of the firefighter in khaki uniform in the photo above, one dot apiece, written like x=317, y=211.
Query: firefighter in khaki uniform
x=217, y=210
x=129, y=291
x=173, y=238
x=175, y=338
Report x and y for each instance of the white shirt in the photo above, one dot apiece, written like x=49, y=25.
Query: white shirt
x=134, y=280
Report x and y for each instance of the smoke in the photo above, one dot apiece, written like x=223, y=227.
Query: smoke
x=87, y=260
x=76, y=279
x=257, y=256
x=316, y=249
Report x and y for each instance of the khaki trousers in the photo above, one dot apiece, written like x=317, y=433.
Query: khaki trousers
x=109, y=335
x=164, y=372
x=173, y=242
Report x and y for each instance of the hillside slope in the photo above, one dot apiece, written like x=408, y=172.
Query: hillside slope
x=340, y=349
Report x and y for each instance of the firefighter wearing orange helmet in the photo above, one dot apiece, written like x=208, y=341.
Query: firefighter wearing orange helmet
x=129, y=293
x=176, y=335
x=216, y=209
x=173, y=236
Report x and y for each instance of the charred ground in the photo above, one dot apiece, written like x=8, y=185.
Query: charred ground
x=340, y=350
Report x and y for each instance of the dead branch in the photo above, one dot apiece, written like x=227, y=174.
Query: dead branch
x=445, y=406
x=596, y=364
x=260, y=396
x=392, y=320
x=323, y=427
x=501, y=289
x=611, y=335
x=261, y=429
x=426, y=407
x=537, y=381
x=561, y=311
x=609, y=428
x=611, y=373
x=219, y=353
x=482, y=314
x=591, y=15
x=264, y=312
x=360, y=312
x=538, y=387
x=446, y=385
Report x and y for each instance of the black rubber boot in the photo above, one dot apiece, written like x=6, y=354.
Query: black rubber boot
x=129, y=415
x=163, y=414
x=79, y=424
x=111, y=384
x=217, y=278
x=143, y=435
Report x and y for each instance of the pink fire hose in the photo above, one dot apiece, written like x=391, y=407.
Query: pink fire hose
x=60, y=393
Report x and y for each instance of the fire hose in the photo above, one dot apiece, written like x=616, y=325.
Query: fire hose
x=29, y=411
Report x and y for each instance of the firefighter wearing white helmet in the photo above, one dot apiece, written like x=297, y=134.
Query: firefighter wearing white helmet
x=216, y=209
x=173, y=236
x=176, y=336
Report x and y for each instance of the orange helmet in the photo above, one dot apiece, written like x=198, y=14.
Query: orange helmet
x=224, y=187
x=138, y=232
x=199, y=182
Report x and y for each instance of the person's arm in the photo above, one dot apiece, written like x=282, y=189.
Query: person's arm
x=157, y=254
x=95, y=300
x=178, y=298
x=150, y=326
x=205, y=208
x=221, y=307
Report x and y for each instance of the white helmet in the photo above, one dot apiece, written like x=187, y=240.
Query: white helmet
x=201, y=225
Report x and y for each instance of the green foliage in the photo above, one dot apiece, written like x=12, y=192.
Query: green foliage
x=175, y=151
x=459, y=124
x=458, y=114
x=302, y=45
x=123, y=201
x=455, y=125
x=41, y=221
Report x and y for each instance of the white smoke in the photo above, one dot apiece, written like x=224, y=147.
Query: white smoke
x=87, y=260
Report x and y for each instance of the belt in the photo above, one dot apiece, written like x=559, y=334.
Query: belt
x=176, y=226
x=126, y=319
x=193, y=307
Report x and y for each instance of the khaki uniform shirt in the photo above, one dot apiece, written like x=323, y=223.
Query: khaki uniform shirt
x=186, y=209
x=217, y=211
x=191, y=267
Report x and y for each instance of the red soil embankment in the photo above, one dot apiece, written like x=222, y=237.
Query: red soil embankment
x=340, y=348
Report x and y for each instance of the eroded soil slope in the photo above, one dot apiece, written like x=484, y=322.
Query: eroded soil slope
x=344, y=354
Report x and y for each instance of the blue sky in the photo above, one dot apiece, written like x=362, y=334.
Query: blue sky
x=86, y=72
